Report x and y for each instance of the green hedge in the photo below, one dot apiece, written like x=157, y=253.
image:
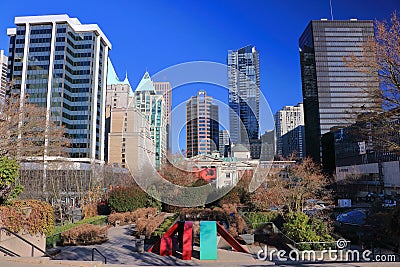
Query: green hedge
x=257, y=218
x=127, y=199
x=55, y=235
x=167, y=223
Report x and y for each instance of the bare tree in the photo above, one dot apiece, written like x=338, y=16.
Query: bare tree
x=25, y=133
x=381, y=57
x=304, y=181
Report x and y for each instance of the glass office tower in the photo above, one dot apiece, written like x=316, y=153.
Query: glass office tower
x=61, y=64
x=244, y=95
x=165, y=89
x=331, y=90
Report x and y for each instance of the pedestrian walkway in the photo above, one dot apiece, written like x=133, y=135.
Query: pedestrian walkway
x=119, y=249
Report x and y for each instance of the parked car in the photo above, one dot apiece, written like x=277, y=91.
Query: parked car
x=389, y=203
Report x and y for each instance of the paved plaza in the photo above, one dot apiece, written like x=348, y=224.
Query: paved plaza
x=119, y=249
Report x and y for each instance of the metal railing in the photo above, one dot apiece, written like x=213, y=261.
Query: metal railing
x=33, y=246
x=101, y=254
x=8, y=252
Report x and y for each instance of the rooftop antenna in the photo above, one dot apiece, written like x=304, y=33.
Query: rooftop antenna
x=330, y=3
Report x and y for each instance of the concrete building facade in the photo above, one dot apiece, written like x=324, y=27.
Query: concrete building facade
x=360, y=164
x=289, y=130
x=130, y=142
x=202, y=125
x=119, y=95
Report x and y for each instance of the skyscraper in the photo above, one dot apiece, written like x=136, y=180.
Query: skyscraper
x=289, y=129
x=331, y=90
x=3, y=78
x=224, y=143
x=119, y=96
x=244, y=95
x=152, y=105
x=268, y=145
x=164, y=89
x=62, y=65
x=202, y=125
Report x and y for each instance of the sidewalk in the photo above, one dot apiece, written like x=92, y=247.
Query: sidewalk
x=119, y=250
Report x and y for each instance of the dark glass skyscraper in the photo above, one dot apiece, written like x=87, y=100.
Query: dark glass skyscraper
x=60, y=64
x=244, y=95
x=331, y=90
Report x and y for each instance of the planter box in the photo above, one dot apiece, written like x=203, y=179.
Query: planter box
x=248, y=238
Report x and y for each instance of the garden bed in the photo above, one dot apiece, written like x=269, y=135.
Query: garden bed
x=55, y=236
x=85, y=234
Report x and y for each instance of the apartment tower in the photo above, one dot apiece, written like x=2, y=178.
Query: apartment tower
x=202, y=126
x=289, y=130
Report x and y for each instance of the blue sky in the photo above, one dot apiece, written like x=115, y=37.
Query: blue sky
x=155, y=34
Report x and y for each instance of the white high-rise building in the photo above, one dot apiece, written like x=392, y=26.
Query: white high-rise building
x=3, y=78
x=289, y=128
x=62, y=65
